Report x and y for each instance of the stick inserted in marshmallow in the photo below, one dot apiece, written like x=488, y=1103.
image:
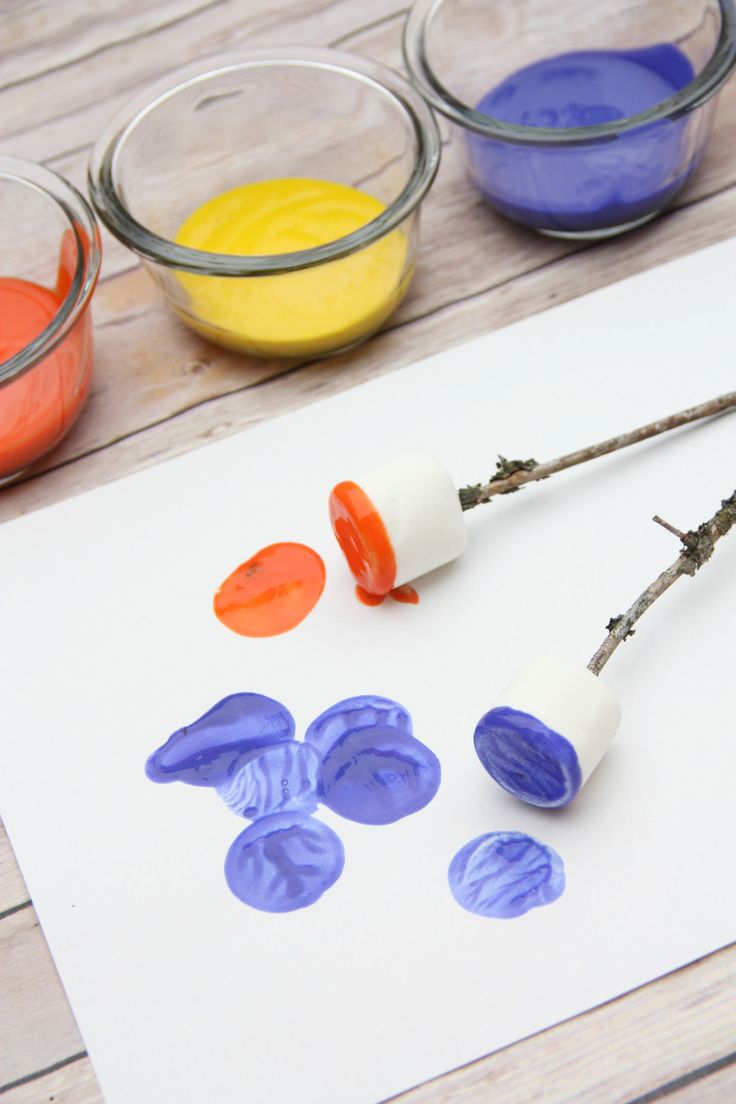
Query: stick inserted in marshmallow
x=404, y=518
x=398, y=521
x=553, y=723
x=551, y=727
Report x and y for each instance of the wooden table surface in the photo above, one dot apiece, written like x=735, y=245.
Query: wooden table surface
x=160, y=391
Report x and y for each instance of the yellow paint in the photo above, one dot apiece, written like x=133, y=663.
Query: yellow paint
x=314, y=310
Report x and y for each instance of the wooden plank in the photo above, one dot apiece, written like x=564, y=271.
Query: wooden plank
x=73, y=1084
x=13, y=892
x=614, y=1053
x=37, y=1027
x=674, y=235
x=715, y=1088
x=47, y=36
x=55, y=111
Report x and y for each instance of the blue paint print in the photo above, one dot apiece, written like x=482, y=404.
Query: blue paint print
x=281, y=779
x=527, y=758
x=373, y=770
x=505, y=874
x=284, y=862
x=359, y=758
x=599, y=184
x=212, y=749
x=366, y=711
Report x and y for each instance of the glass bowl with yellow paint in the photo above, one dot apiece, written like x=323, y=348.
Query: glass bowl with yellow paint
x=274, y=195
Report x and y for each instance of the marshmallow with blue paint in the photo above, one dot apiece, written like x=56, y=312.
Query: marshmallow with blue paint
x=551, y=727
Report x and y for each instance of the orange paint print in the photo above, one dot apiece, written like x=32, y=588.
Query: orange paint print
x=363, y=538
x=272, y=592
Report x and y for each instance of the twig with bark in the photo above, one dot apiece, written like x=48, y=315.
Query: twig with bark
x=698, y=546
x=510, y=475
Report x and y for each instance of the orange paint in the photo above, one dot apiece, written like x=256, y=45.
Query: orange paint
x=38, y=407
x=271, y=592
x=367, y=598
x=363, y=538
x=404, y=593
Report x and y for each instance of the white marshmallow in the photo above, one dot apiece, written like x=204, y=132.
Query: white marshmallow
x=420, y=509
x=572, y=701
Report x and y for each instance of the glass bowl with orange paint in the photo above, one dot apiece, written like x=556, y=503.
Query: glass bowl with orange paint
x=49, y=263
x=274, y=195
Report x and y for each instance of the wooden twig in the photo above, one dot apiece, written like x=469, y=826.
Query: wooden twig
x=698, y=547
x=512, y=474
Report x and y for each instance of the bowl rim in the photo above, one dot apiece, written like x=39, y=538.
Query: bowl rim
x=108, y=148
x=705, y=85
x=83, y=225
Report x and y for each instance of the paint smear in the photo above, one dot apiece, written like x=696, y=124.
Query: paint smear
x=505, y=874
x=404, y=593
x=527, y=757
x=281, y=779
x=213, y=748
x=284, y=862
x=373, y=770
x=272, y=592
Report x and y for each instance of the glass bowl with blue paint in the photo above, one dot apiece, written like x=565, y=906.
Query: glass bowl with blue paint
x=580, y=120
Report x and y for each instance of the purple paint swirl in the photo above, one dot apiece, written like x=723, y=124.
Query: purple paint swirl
x=526, y=757
x=211, y=750
x=373, y=770
x=505, y=874
x=284, y=862
x=280, y=779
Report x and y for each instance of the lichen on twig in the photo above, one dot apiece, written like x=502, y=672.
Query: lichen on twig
x=697, y=548
x=510, y=475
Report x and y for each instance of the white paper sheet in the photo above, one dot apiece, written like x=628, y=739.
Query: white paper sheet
x=184, y=994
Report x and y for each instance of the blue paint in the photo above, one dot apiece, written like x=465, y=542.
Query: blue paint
x=597, y=185
x=284, y=862
x=359, y=758
x=212, y=749
x=505, y=874
x=527, y=758
x=351, y=714
x=281, y=779
x=373, y=770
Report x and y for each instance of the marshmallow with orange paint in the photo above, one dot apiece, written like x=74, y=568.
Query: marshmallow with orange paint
x=398, y=521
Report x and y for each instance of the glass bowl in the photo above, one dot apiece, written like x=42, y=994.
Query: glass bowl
x=49, y=265
x=577, y=119
x=268, y=147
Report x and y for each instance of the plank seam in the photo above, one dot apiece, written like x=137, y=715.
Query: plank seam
x=339, y=41
x=43, y=1073
x=686, y=1079
x=343, y=38
x=15, y=908
x=175, y=22
x=111, y=45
